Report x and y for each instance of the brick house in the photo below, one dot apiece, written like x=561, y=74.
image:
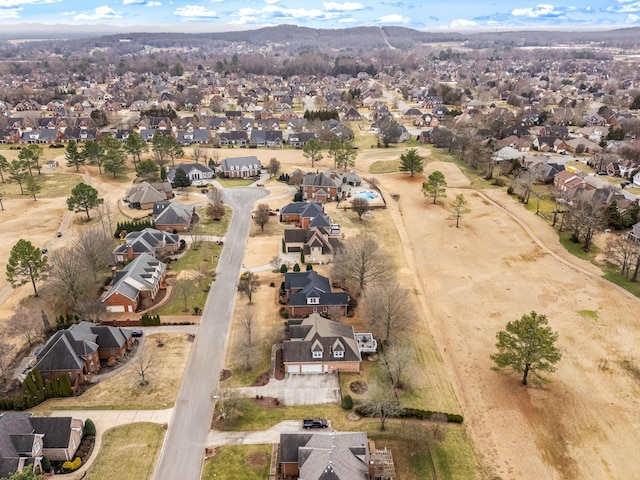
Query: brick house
x=241, y=167
x=150, y=240
x=319, y=345
x=308, y=292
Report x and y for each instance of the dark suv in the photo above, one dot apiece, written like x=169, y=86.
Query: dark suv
x=315, y=423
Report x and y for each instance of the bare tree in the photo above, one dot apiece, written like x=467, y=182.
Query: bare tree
x=273, y=167
x=7, y=355
x=249, y=283
x=183, y=288
x=247, y=341
x=622, y=251
x=381, y=402
x=586, y=219
x=363, y=263
x=215, y=208
x=28, y=323
x=106, y=215
x=69, y=280
x=360, y=206
x=90, y=308
x=275, y=263
x=261, y=215
x=144, y=363
x=525, y=182
x=397, y=359
x=231, y=403
x=389, y=310
x=197, y=154
x=93, y=248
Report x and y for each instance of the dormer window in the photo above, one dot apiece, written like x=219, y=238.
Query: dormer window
x=338, y=354
x=313, y=300
x=317, y=354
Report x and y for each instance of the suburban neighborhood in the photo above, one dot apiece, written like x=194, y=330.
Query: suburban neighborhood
x=392, y=265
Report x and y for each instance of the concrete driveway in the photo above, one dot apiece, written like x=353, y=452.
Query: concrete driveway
x=271, y=435
x=298, y=389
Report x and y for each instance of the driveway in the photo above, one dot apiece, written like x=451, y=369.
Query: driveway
x=271, y=435
x=298, y=389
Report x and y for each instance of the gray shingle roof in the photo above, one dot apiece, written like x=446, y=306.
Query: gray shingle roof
x=327, y=455
x=321, y=334
x=240, y=163
x=312, y=285
x=174, y=214
x=142, y=274
x=65, y=350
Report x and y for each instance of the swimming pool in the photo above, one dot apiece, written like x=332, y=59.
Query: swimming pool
x=366, y=194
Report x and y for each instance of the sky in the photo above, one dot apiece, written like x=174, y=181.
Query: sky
x=454, y=15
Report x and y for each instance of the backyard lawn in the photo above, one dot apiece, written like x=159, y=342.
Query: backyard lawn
x=128, y=452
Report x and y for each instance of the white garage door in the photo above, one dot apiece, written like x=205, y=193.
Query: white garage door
x=311, y=368
x=293, y=368
x=115, y=308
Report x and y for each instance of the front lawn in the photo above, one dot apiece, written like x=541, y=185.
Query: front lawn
x=246, y=462
x=216, y=228
x=128, y=452
x=235, y=182
x=55, y=185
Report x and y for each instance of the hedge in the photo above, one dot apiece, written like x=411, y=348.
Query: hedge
x=72, y=466
x=150, y=320
x=420, y=414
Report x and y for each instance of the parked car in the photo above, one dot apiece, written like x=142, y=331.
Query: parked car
x=315, y=423
x=601, y=172
x=273, y=213
x=136, y=332
x=44, y=250
x=59, y=234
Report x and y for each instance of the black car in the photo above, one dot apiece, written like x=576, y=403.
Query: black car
x=136, y=332
x=315, y=423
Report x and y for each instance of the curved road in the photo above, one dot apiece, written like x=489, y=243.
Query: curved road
x=182, y=452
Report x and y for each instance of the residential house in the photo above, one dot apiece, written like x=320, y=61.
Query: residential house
x=62, y=436
x=316, y=244
x=135, y=286
x=150, y=241
x=241, y=167
x=326, y=456
x=305, y=214
x=20, y=445
x=299, y=140
x=194, y=171
x=580, y=145
x=320, y=345
x=309, y=292
x=69, y=352
x=266, y=138
x=113, y=342
x=145, y=195
x=173, y=216
x=196, y=136
x=238, y=138
x=328, y=185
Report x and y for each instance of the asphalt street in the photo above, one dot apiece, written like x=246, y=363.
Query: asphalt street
x=183, y=448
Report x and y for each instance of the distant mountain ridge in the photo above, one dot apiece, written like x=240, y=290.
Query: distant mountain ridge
x=300, y=38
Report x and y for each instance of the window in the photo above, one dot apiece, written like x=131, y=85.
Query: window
x=313, y=300
x=338, y=354
x=317, y=354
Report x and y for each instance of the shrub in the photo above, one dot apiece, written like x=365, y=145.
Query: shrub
x=284, y=313
x=296, y=267
x=510, y=190
x=72, y=466
x=89, y=428
x=272, y=284
x=150, y=320
x=347, y=402
x=284, y=268
x=46, y=464
x=197, y=310
x=309, y=267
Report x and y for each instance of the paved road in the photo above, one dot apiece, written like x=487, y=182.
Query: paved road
x=183, y=449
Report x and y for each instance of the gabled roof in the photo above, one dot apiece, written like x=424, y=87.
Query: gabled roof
x=65, y=350
x=327, y=455
x=142, y=274
x=56, y=430
x=312, y=285
x=173, y=213
x=16, y=440
x=240, y=163
x=147, y=193
x=147, y=240
x=188, y=167
x=106, y=336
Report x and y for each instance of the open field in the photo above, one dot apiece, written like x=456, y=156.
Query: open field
x=130, y=451
x=249, y=462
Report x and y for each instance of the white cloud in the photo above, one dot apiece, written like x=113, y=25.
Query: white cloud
x=626, y=7
x=153, y=4
x=631, y=18
x=462, y=23
x=293, y=12
x=194, y=11
x=11, y=13
x=247, y=12
x=271, y=2
x=393, y=18
x=342, y=7
x=15, y=3
x=103, y=12
x=347, y=20
x=132, y=2
x=540, y=10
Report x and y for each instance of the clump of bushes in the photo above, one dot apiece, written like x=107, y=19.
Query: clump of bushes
x=284, y=313
x=150, y=320
x=429, y=415
x=89, y=428
x=72, y=466
x=347, y=402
